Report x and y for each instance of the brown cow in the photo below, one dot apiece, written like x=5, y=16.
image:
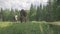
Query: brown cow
x=23, y=15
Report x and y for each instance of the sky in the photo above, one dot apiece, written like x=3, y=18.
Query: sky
x=20, y=4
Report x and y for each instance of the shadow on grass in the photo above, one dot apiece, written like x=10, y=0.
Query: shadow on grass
x=55, y=28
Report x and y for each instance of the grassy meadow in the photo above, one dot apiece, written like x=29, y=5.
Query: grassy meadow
x=28, y=28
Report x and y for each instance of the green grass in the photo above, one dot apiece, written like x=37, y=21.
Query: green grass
x=19, y=28
x=28, y=28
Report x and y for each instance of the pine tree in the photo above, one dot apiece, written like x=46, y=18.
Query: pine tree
x=1, y=14
x=58, y=9
x=32, y=12
x=39, y=13
x=49, y=13
x=11, y=15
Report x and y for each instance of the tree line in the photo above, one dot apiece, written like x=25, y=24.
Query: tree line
x=8, y=15
x=50, y=12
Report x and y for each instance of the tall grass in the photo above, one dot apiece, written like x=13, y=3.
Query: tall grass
x=28, y=28
x=19, y=28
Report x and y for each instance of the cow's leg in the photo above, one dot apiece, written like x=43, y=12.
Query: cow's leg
x=21, y=19
x=25, y=19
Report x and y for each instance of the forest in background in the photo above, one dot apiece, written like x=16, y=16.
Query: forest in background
x=49, y=13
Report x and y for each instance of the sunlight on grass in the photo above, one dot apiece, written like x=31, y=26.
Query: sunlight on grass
x=39, y=22
x=5, y=24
